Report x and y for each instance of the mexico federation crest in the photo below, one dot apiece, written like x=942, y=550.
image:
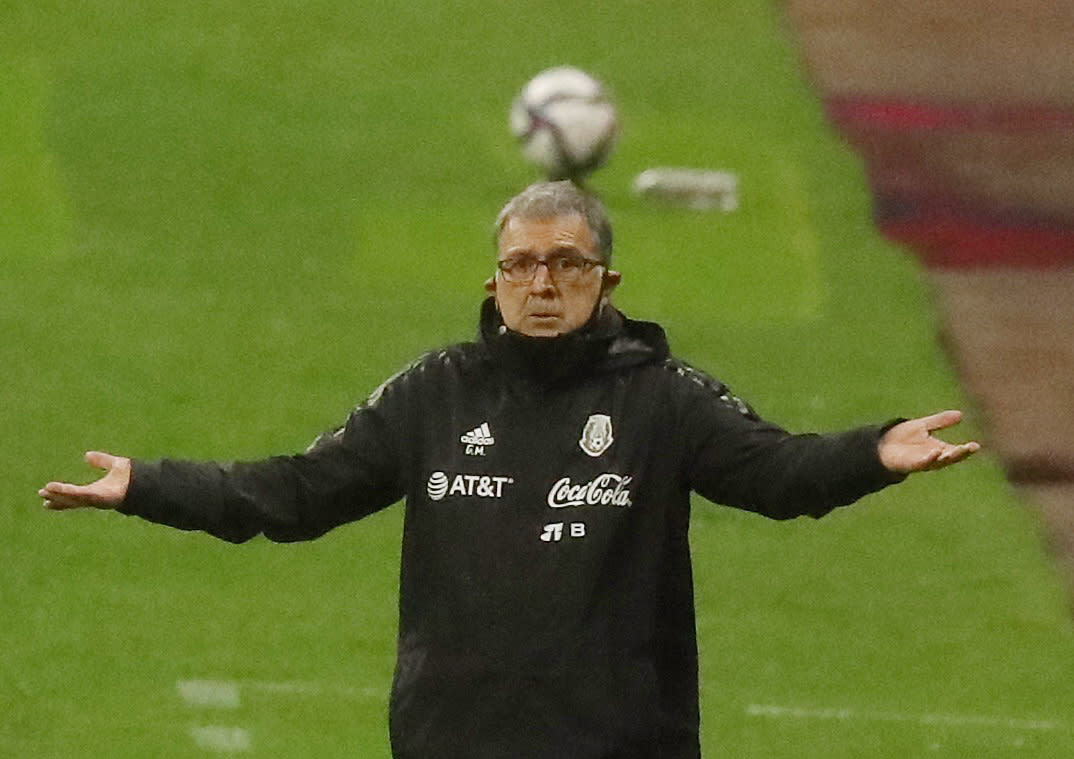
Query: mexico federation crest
x=597, y=435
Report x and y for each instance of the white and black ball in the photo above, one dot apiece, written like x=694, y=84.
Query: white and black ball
x=565, y=123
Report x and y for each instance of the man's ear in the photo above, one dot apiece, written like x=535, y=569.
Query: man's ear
x=490, y=285
x=611, y=281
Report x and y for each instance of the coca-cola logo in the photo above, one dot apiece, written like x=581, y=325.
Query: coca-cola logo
x=603, y=490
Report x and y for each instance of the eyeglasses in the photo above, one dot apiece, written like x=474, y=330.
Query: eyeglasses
x=562, y=267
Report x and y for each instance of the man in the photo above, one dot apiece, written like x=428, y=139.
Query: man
x=546, y=602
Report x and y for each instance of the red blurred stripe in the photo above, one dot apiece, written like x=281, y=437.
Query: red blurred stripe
x=907, y=115
x=916, y=204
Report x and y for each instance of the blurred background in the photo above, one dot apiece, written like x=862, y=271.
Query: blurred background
x=223, y=224
x=964, y=118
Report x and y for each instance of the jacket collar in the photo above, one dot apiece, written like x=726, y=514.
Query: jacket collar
x=607, y=341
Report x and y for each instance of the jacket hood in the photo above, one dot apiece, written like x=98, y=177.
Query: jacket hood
x=608, y=341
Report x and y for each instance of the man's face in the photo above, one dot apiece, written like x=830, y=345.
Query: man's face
x=551, y=303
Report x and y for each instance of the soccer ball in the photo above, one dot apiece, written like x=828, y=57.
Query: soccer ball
x=565, y=123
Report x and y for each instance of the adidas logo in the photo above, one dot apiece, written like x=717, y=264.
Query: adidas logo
x=479, y=436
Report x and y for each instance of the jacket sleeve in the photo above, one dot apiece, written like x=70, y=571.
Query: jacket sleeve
x=737, y=459
x=340, y=478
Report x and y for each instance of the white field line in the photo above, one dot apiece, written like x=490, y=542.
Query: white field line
x=209, y=694
x=946, y=720
x=221, y=739
x=310, y=688
x=804, y=242
x=226, y=694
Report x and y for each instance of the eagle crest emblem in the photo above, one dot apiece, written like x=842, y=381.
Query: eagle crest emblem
x=597, y=435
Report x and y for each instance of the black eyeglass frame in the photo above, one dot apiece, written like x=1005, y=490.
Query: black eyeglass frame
x=579, y=264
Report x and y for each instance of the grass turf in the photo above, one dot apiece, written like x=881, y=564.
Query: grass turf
x=223, y=225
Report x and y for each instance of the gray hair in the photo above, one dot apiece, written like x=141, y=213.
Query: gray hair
x=547, y=200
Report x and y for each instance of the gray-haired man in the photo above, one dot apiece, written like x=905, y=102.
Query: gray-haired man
x=546, y=600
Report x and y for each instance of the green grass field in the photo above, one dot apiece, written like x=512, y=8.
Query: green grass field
x=223, y=223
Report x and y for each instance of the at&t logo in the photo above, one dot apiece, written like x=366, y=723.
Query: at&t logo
x=440, y=485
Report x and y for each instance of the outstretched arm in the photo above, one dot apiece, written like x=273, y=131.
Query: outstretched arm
x=910, y=446
x=341, y=478
x=742, y=461
x=106, y=493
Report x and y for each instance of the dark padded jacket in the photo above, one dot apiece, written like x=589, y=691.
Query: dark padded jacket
x=546, y=599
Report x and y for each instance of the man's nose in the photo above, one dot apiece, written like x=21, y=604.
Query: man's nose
x=542, y=278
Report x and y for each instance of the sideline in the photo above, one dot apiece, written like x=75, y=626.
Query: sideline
x=948, y=720
x=225, y=695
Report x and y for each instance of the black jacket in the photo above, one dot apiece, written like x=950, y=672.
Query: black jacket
x=546, y=600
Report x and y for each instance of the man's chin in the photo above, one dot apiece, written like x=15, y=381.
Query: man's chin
x=542, y=333
x=543, y=326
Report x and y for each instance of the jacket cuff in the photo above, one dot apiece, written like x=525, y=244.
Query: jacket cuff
x=139, y=491
x=891, y=477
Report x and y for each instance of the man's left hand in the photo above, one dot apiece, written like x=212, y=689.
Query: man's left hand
x=910, y=446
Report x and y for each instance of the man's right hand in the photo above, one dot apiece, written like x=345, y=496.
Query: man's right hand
x=106, y=493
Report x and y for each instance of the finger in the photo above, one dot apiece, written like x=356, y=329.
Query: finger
x=929, y=460
x=76, y=495
x=99, y=459
x=958, y=453
x=941, y=420
x=64, y=495
x=65, y=489
x=58, y=502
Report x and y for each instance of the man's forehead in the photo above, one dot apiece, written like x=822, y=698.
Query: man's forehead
x=538, y=233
